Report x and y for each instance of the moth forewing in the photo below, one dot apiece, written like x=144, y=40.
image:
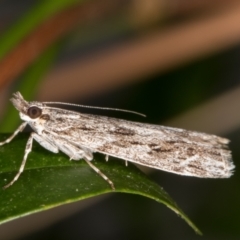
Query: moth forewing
x=79, y=135
x=170, y=149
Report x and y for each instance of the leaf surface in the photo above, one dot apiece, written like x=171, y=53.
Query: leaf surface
x=50, y=180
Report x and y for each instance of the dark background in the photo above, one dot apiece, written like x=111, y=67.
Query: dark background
x=165, y=96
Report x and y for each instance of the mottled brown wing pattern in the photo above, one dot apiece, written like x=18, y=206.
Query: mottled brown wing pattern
x=170, y=149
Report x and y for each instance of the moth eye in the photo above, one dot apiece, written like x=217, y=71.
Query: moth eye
x=34, y=112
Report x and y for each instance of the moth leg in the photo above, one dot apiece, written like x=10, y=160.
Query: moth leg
x=107, y=157
x=101, y=174
x=87, y=154
x=47, y=144
x=27, y=151
x=77, y=153
x=19, y=129
x=74, y=152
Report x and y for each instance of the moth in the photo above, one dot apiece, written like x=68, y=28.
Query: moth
x=79, y=135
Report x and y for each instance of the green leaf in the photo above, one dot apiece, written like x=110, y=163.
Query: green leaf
x=50, y=180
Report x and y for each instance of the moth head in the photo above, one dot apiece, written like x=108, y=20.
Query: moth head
x=19, y=103
x=34, y=112
x=29, y=111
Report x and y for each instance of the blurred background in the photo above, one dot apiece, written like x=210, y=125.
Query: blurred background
x=175, y=61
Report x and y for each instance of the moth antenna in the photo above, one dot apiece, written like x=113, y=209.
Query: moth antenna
x=93, y=107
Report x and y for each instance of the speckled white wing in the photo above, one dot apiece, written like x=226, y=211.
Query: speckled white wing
x=169, y=149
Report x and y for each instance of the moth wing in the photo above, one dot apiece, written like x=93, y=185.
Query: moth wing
x=170, y=149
